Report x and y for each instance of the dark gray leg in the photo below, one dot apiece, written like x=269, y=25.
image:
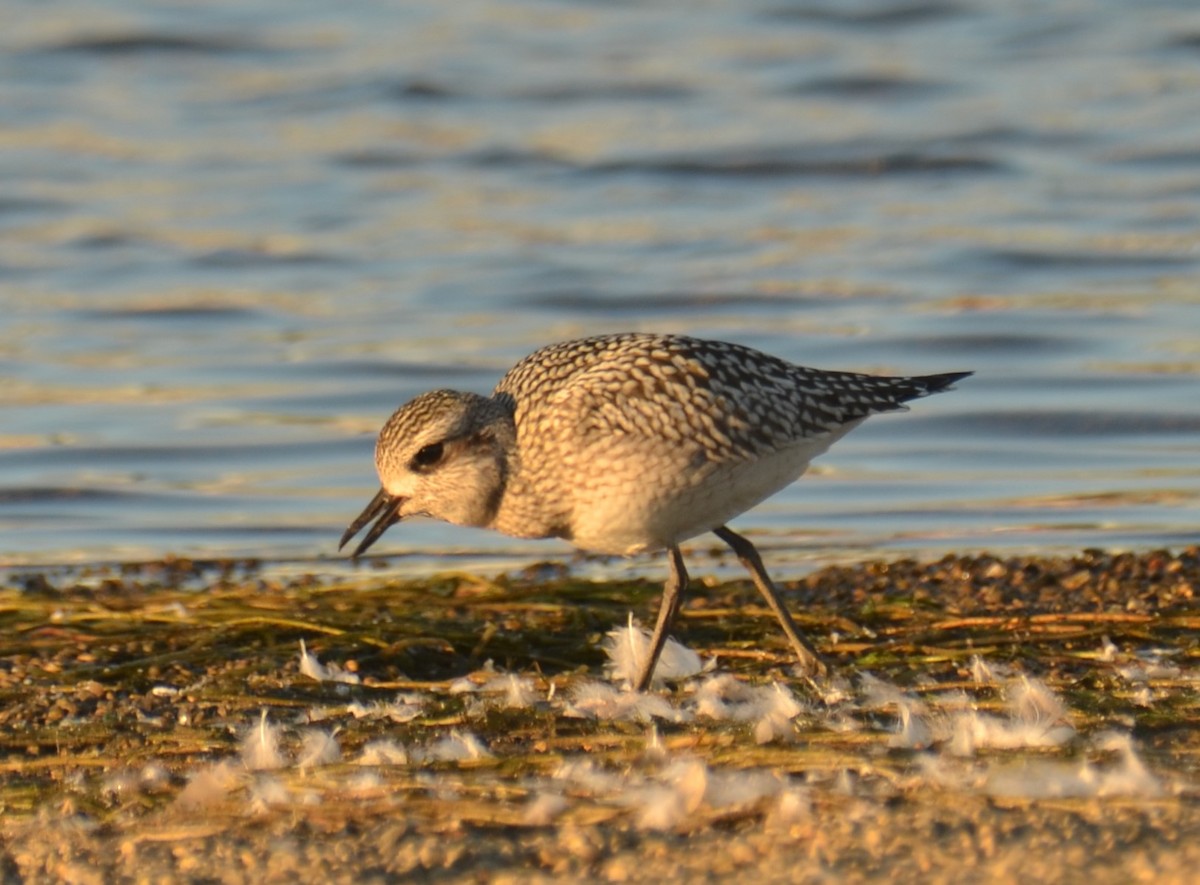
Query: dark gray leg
x=809, y=659
x=672, y=597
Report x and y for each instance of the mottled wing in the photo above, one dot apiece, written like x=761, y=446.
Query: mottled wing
x=729, y=400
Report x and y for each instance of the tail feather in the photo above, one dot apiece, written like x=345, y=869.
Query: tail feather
x=889, y=393
x=923, y=385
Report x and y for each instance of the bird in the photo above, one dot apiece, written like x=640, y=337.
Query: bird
x=627, y=443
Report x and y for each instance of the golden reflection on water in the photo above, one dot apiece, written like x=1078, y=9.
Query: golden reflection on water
x=252, y=232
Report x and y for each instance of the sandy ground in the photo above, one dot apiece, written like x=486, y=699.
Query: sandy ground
x=993, y=719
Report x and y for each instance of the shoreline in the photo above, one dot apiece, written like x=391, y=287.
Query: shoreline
x=123, y=692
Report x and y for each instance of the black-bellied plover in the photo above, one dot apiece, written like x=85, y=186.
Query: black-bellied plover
x=626, y=443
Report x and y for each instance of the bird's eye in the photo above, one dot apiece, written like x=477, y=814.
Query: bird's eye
x=428, y=455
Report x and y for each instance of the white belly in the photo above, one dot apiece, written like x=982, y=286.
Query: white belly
x=665, y=502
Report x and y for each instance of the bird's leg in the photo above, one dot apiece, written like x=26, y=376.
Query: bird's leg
x=672, y=597
x=748, y=556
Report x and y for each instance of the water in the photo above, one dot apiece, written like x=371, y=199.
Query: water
x=233, y=237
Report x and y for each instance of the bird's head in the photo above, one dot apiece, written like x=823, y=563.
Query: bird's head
x=445, y=455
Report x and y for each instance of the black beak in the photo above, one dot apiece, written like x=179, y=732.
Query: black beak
x=385, y=510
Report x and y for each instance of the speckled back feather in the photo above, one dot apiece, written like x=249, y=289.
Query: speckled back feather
x=732, y=400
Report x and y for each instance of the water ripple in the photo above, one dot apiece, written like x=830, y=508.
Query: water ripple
x=236, y=236
x=1072, y=260
x=1050, y=425
x=150, y=43
x=842, y=160
x=870, y=87
x=857, y=16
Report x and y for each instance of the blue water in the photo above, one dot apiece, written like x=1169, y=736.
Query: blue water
x=234, y=237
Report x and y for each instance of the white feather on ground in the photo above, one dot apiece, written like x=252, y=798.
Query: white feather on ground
x=544, y=808
x=267, y=791
x=1108, y=651
x=1048, y=779
x=259, y=747
x=209, y=785
x=1149, y=665
x=657, y=807
x=318, y=747
x=654, y=748
x=382, y=752
x=405, y=708
x=1036, y=717
x=688, y=786
x=771, y=708
x=914, y=729
x=989, y=673
x=587, y=776
x=1130, y=777
x=314, y=669
x=458, y=746
x=365, y=785
x=727, y=788
x=628, y=647
x=597, y=700
x=878, y=694
x=671, y=796
x=511, y=691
